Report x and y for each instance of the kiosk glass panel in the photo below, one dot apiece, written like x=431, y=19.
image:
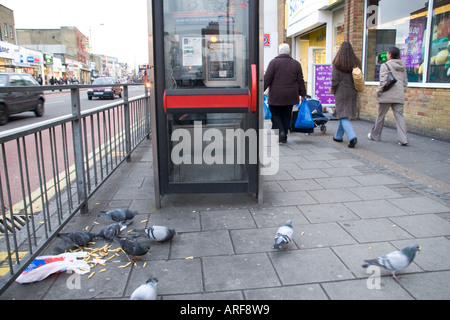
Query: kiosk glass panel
x=206, y=44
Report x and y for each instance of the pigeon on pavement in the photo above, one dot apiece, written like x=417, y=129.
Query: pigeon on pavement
x=119, y=215
x=146, y=291
x=395, y=261
x=74, y=239
x=133, y=248
x=283, y=236
x=113, y=230
x=160, y=233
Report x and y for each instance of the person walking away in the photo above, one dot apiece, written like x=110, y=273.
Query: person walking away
x=343, y=88
x=393, y=98
x=284, y=78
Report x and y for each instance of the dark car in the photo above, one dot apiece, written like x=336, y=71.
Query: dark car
x=19, y=101
x=110, y=90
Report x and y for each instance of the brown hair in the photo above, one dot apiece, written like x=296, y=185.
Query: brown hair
x=346, y=59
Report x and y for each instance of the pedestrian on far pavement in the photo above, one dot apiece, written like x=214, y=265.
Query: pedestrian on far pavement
x=393, y=98
x=40, y=80
x=343, y=88
x=284, y=78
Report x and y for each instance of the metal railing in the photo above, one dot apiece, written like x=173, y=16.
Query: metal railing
x=49, y=171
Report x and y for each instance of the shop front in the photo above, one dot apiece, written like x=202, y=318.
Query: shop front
x=316, y=30
x=421, y=31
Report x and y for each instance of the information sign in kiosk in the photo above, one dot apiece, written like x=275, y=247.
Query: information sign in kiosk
x=206, y=83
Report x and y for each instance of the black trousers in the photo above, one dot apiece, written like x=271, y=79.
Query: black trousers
x=281, y=117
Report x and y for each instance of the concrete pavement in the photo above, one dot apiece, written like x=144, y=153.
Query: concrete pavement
x=346, y=206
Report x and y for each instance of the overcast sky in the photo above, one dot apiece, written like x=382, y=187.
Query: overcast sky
x=122, y=35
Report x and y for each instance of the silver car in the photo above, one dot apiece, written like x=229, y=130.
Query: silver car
x=19, y=101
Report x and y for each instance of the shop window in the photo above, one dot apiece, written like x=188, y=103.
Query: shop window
x=402, y=24
x=439, y=63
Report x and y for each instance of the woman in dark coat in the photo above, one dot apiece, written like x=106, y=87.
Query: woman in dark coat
x=284, y=78
x=344, y=91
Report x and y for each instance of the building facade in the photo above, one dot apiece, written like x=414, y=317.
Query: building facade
x=419, y=29
x=7, y=25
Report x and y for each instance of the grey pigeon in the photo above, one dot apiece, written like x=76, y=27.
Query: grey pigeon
x=74, y=239
x=134, y=248
x=395, y=261
x=283, y=236
x=113, y=230
x=146, y=291
x=119, y=215
x=160, y=233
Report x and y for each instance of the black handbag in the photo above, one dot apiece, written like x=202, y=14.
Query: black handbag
x=390, y=80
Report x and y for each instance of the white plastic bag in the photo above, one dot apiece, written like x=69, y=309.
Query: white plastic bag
x=42, y=267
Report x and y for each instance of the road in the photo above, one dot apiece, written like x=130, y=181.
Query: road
x=57, y=104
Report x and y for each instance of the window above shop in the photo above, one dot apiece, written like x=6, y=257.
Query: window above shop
x=419, y=29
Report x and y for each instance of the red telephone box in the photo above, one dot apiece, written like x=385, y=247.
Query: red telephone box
x=206, y=82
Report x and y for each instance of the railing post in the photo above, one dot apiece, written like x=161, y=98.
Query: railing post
x=147, y=112
x=78, y=150
x=127, y=123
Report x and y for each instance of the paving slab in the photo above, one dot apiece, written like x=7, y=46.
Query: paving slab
x=237, y=272
x=229, y=219
x=319, y=235
x=423, y=225
x=201, y=244
x=299, y=292
x=420, y=205
x=372, y=230
x=309, y=266
x=328, y=212
x=374, y=209
x=375, y=192
x=277, y=216
x=428, y=286
x=384, y=289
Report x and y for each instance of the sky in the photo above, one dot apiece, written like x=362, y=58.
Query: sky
x=117, y=28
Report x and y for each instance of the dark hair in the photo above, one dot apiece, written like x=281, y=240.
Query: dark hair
x=395, y=52
x=346, y=59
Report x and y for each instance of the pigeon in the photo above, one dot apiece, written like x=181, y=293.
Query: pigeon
x=113, y=230
x=146, y=291
x=160, y=233
x=119, y=215
x=395, y=261
x=283, y=236
x=74, y=239
x=133, y=248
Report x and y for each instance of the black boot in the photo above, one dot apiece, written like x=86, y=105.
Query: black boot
x=353, y=143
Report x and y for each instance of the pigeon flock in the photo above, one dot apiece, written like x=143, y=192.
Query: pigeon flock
x=134, y=246
x=138, y=245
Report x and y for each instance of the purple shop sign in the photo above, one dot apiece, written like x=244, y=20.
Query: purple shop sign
x=322, y=84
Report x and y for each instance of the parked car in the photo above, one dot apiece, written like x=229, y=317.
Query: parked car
x=19, y=101
x=110, y=90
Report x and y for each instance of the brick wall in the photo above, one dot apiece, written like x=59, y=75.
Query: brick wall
x=427, y=111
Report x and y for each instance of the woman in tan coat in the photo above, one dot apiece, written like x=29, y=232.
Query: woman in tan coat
x=393, y=98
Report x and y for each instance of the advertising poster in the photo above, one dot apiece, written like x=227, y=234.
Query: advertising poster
x=412, y=51
x=322, y=84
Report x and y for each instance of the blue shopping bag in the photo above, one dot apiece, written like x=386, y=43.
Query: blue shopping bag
x=267, y=113
x=304, y=119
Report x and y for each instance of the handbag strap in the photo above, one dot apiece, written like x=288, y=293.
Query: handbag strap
x=387, y=65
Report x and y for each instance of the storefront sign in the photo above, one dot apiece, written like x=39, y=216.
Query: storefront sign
x=266, y=40
x=299, y=9
x=48, y=59
x=322, y=84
